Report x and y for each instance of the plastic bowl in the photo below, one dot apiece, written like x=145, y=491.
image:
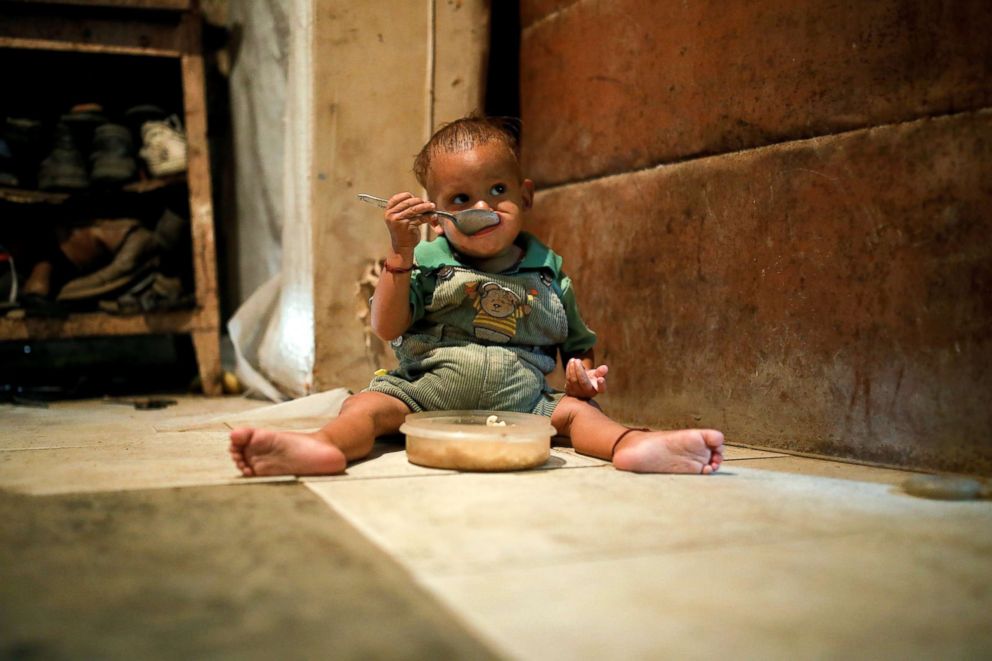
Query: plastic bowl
x=462, y=440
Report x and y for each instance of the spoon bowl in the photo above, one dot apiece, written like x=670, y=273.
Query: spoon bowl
x=468, y=221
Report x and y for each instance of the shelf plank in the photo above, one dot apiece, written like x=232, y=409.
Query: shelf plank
x=28, y=196
x=95, y=324
x=32, y=27
x=25, y=196
x=170, y=5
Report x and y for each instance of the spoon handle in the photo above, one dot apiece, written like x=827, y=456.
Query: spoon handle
x=372, y=199
x=382, y=203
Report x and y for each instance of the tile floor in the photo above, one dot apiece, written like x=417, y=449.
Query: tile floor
x=773, y=557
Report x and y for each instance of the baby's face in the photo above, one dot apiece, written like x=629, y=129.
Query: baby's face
x=484, y=177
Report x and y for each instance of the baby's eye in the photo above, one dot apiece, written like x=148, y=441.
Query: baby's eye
x=498, y=189
x=461, y=198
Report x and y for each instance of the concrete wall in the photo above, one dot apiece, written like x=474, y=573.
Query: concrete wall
x=777, y=214
x=385, y=73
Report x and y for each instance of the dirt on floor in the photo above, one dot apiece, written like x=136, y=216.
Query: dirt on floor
x=266, y=571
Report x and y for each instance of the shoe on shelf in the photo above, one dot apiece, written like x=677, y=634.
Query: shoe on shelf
x=164, y=149
x=84, y=116
x=171, y=230
x=64, y=168
x=136, y=116
x=156, y=292
x=137, y=255
x=92, y=246
x=82, y=119
x=26, y=142
x=34, y=305
x=34, y=297
x=7, y=166
x=111, y=159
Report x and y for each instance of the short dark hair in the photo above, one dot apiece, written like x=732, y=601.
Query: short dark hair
x=467, y=133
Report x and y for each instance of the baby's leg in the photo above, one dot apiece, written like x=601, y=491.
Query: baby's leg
x=593, y=433
x=328, y=450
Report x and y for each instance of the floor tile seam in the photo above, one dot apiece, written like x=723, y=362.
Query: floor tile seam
x=474, y=623
x=468, y=619
x=579, y=560
x=330, y=479
x=820, y=458
x=335, y=479
x=73, y=447
x=857, y=482
x=457, y=614
x=770, y=455
x=601, y=463
x=780, y=456
x=48, y=447
x=367, y=531
x=231, y=482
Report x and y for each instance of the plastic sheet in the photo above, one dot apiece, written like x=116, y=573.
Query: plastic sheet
x=310, y=412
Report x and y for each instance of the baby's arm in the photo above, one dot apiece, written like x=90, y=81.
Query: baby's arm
x=582, y=380
x=391, y=314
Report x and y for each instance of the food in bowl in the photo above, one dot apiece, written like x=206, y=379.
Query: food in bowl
x=478, y=440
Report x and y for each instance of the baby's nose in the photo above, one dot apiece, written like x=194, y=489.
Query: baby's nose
x=482, y=204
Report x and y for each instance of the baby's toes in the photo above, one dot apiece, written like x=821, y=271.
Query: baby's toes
x=240, y=437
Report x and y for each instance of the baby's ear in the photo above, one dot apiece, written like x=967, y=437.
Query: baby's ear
x=527, y=193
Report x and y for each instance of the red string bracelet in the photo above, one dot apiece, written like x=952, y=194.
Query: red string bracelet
x=620, y=438
x=391, y=269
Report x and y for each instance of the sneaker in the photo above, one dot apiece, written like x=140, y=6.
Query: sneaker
x=136, y=256
x=64, y=168
x=111, y=160
x=26, y=141
x=154, y=292
x=136, y=116
x=84, y=116
x=82, y=119
x=164, y=147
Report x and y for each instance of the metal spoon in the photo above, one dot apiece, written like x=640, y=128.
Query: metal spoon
x=468, y=221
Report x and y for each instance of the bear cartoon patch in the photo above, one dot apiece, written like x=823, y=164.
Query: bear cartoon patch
x=498, y=310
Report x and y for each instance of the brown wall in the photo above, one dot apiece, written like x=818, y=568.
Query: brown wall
x=777, y=214
x=379, y=89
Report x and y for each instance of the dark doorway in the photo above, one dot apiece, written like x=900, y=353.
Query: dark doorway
x=503, y=74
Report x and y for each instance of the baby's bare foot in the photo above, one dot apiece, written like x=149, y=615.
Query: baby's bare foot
x=685, y=451
x=265, y=452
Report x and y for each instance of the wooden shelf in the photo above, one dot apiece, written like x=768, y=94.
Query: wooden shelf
x=27, y=196
x=180, y=5
x=94, y=324
x=117, y=27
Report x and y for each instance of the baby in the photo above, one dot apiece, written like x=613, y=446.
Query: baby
x=476, y=322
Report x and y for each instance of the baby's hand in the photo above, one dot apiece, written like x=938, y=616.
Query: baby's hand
x=404, y=216
x=583, y=383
